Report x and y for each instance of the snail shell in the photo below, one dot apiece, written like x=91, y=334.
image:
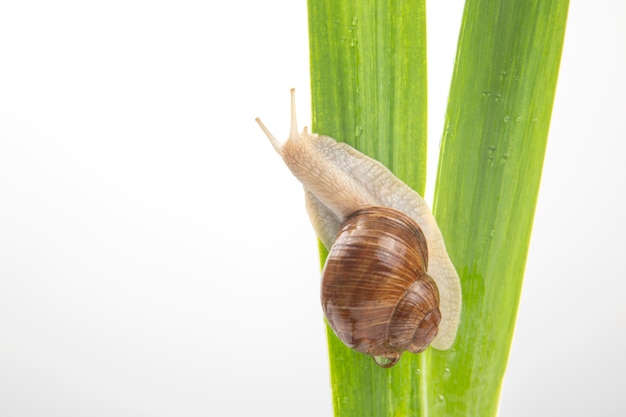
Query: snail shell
x=380, y=245
x=339, y=181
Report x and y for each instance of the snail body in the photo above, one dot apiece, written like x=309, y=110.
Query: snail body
x=388, y=284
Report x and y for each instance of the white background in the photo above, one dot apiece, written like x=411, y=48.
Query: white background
x=155, y=255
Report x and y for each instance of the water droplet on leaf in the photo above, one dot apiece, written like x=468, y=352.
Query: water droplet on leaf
x=386, y=362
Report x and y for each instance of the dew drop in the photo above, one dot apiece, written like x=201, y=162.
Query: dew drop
x=353, y=42
x=441, y=398
x=506, y=156
x=486, y=93
x=355, y=20
x=385, y=362
x=507, y=118
x=358, y=130
x=518, y=119
x=498, y=96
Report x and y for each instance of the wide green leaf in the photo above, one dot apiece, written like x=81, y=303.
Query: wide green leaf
x=490, y=167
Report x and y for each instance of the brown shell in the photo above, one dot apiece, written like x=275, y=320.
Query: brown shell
x=376, y=294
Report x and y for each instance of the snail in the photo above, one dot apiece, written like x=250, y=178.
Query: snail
x=388, y=285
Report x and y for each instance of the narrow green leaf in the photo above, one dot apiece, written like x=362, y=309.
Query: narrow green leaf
x=488, y=181
x=368, y=76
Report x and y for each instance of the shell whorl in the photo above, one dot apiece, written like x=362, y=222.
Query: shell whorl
x=416, y=318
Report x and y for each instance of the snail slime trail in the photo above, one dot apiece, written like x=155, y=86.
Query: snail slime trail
x=388, y=285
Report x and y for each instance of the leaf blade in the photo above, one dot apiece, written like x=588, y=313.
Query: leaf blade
x=488, y=180
x=368, y=88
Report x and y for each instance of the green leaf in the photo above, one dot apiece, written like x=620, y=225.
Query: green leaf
x=368, y=88
x=368, y=72
x=490, y=166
